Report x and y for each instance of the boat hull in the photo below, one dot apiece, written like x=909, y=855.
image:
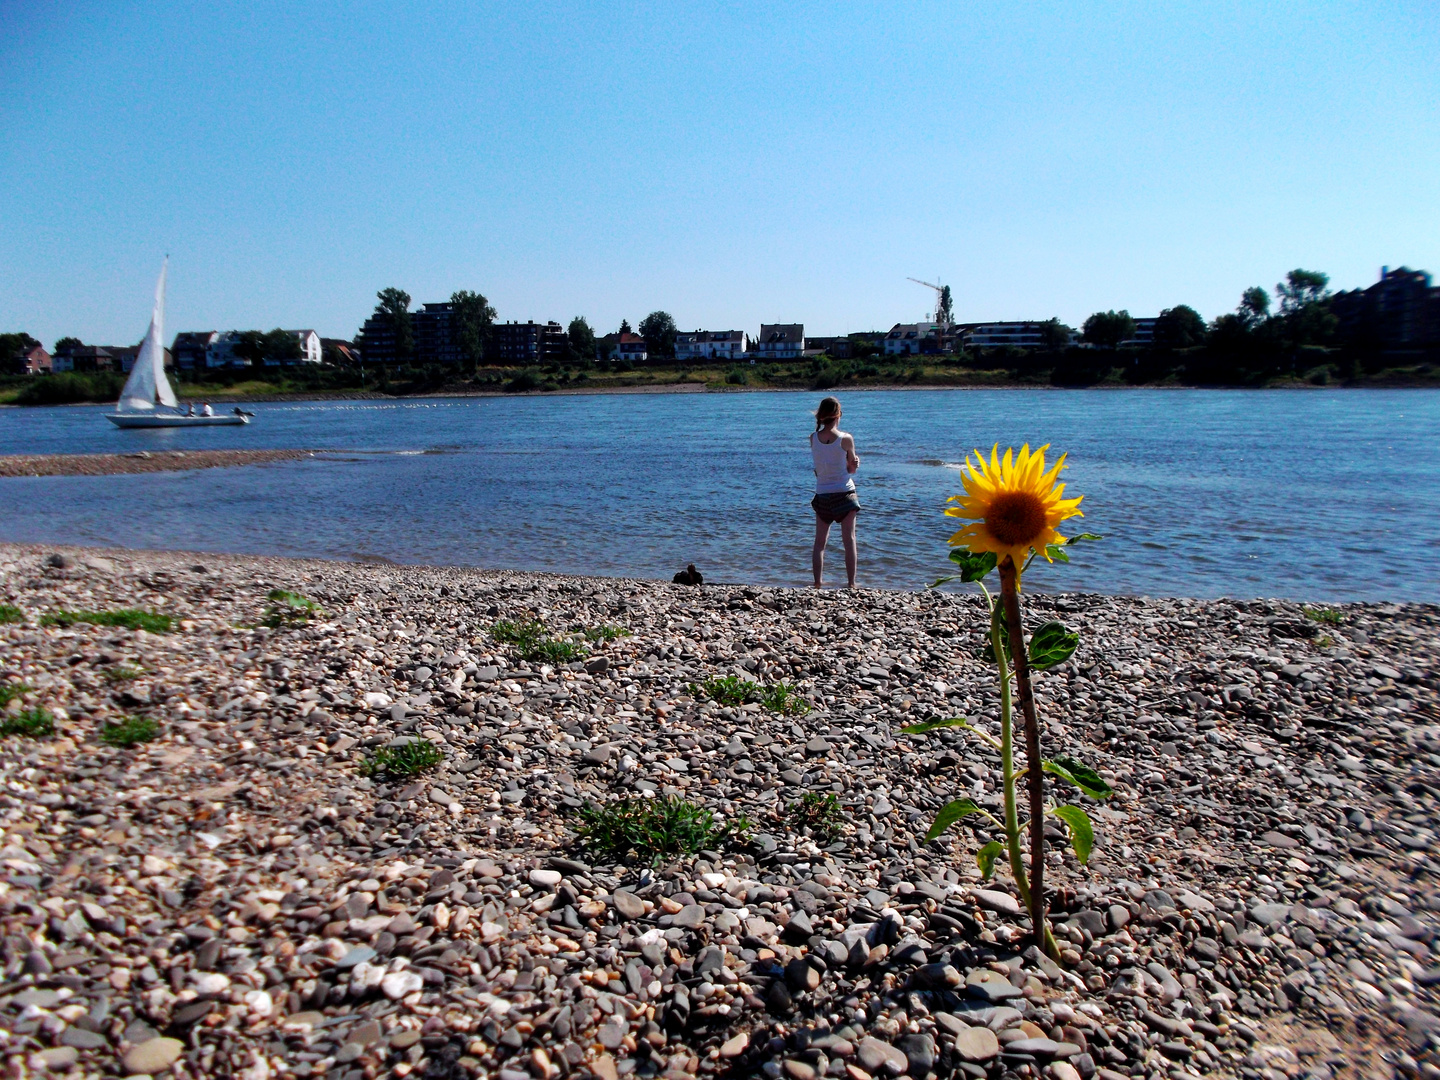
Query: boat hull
x=144, y=420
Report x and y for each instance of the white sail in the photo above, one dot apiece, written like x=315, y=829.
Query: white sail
x=147, y=384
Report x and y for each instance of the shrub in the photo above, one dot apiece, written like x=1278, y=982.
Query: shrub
x=532, y=641
x=624, y=829
x=9, y=613
x=730, y=690
x=737, y=377
x=1325, y=615
x=129, y=731
x=10, y=691
x=68, y=388
x=33, y=723
x=129, y=618
x=527, y=379
x=400, y=761
x=784, y=699
x=820, y=814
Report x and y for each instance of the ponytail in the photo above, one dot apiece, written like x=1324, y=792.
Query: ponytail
x=829, y=410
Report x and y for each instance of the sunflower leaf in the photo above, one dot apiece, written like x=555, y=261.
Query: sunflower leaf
x=986, y=856
x=973, y=567
x=950, y=813
x=1084, y=536
x=987, y=651
x=1056, y=552
x=1052, y=643
x=1082, y=835
x=1079, y=774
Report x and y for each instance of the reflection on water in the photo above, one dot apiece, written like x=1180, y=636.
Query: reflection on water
x=1320, y=495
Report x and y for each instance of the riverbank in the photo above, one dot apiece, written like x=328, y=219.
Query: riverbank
x=239, y=897
x=144, y=461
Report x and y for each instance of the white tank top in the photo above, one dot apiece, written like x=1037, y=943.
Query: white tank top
x=831, y=474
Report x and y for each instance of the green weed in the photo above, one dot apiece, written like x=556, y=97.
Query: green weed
x=732, y=690
x=605, y=632
x=121, y=673
x=129, y=618
x=532, y=640
x=129, y=731
x=626, y=829
x=9, y=613
x=1325, y=615
x=10, y=691
x=821, y=814
x=288, y=609
x=33, y=723
x=407, y=760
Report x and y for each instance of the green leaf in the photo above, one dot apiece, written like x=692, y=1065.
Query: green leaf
x=1056, y=551
x=1053, y=643
x=1084, y=536
x=950, y=813
x=1081, y=775
x=934, y=725
x=972, y=567
x=986, y=856
x=1082, y=836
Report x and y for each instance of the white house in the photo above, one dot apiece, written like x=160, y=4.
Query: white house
x=1144, y=335
x=710, y=344
x=1023, y=335
x=310, y=351
x=780, y=341
x=631, y=347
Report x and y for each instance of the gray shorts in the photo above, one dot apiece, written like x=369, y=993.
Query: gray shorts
x=835, y=506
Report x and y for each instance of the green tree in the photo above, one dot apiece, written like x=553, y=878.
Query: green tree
x=396, y=304
x=625, y=326
x=945, y=307
x=658, y=330
x=12, y=345
x=581, y=338
x=1054, y=333
x=281, y=345
x=1108, y=328
x=1179, y=328
x=249, y=345
x=67, y=343
x=1254, y=306
x=1301, y=288
x=474, y=316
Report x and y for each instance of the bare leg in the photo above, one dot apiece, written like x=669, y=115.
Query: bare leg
x=847, y=534
x=817, y=555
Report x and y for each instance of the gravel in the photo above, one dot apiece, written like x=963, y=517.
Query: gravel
x=142, y=462
x=237, y=898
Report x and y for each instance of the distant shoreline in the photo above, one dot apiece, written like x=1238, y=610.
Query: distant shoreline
x=221, y=396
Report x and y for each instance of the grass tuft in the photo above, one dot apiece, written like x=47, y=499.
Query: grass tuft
x=821, y=814
x=627, y=829
x=33, y=723
x=605, y=632
x=129, y=618
x=408, y=760
x=9, y=613
x=288, y=609
x=121, y=673
x=732, y=690
x=1325, y=615
x=532, y=640
x=130, y=731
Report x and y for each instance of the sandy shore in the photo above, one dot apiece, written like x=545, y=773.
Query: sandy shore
x=238, y=898
x=145, y=461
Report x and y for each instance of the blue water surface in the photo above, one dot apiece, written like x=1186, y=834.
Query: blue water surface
x=1317, y=495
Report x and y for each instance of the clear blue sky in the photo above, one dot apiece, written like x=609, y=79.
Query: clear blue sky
x=730, y=163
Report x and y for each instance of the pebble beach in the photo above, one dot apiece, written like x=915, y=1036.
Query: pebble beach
x=244, y=896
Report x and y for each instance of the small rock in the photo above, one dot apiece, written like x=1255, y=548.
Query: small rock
x=977, y=1044
x=57, y=1058
x=399, y=983
x=153, y=1055
x=998, y=902
x=546, y=879
x=628, y=904
x=878, y=1057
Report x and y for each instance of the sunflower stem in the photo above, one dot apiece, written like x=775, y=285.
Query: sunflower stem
x=1035, y=781
x=1007, y=760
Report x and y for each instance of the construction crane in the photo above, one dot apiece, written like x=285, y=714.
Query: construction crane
x=944, y=312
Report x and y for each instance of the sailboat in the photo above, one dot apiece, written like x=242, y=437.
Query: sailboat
x=147, y=399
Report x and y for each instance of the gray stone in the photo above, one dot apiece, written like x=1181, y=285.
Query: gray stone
x=58, y=1057
x=799, y=929
x=919, y=1051
x=977, y=1044
x=1269, y=914
x=689, y=917
x=82, y=1039
x=998, y=902
x=545, y=879
x=880, y=1058
x=628, y=904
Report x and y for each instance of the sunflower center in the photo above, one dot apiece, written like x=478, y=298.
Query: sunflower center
x=1016, y=518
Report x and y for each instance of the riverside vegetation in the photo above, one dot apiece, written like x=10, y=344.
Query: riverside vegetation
x=250, y=894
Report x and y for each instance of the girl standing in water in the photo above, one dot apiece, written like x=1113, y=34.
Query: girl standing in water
x=835, y=500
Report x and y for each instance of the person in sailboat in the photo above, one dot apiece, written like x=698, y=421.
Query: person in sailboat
x=190, y=411
x=206, y=410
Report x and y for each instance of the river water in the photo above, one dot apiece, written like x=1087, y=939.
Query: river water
x=1323, y=495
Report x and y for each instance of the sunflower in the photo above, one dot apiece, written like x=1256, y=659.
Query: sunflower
x=1017, y=504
